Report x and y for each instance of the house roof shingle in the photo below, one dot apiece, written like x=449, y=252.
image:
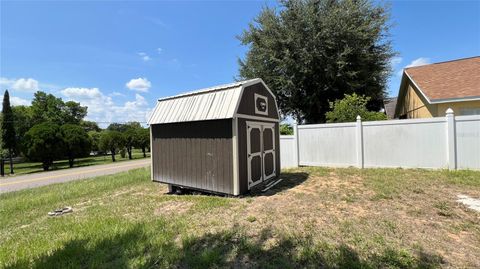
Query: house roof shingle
x=458, y=79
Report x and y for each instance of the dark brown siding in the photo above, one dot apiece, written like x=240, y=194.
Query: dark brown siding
x=247, y=104
x=242, y=151
x=194, y=154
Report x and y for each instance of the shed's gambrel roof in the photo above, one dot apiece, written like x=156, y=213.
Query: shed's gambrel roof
x=219, y=102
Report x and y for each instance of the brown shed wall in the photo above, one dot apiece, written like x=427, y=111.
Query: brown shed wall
x=194, y=154
x=247, y=104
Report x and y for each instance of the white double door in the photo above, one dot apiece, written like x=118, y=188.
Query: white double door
x=260, y=152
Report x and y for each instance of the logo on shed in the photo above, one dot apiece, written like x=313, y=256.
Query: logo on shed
x=261, y=104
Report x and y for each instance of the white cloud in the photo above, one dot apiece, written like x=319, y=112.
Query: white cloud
x=103, y=110
x=117, y=94
x=395, y=61
x=418, y=62
x=17, y=101
x=139, y=84
x=144, y=56
x=21, y=84
x=157, y=22
x=159, y=50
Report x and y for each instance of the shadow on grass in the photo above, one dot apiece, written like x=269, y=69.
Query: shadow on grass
x=289, y=180
x=229, y=250
x=137, y=248
x=124, y=250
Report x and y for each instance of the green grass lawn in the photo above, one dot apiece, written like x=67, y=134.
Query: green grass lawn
x=315, y=218
x=35, y=167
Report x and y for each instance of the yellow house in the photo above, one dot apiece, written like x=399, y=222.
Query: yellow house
x=429, y=90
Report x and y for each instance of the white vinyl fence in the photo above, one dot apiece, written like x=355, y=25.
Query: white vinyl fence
x=451, y=142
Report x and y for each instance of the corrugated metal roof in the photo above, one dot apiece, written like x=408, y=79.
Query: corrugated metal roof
x=212, y=103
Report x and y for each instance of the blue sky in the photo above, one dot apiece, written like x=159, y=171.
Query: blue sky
x=119, y=57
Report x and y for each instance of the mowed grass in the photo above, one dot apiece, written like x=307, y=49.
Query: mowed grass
x=35, y=167
x=315, y=218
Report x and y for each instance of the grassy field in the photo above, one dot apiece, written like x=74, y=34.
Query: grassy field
x=35, y=167
x=315, y=218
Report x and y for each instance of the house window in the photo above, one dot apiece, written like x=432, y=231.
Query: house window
x=469, y=111
x=261, y=104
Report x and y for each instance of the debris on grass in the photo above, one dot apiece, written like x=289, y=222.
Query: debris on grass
x=59, y=212
x=470, y=202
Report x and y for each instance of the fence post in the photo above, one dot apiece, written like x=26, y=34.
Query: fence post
x=296, y=153
x=451, y=145
x=359, y=142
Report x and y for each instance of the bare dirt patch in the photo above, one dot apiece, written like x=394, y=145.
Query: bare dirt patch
x=349, y=209
x=174, y=207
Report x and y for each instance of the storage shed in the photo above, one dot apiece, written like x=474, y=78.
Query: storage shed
x=223, y=139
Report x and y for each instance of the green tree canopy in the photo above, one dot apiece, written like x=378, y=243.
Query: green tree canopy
x=129, y=138
x=44, y=143
x=119, y=127
x=73, y=112
x=7, y=124
x=90, y=126
x=142, y=139
x=351, y=106
x=312, y=52
x=8, y=129
x=77, y=142
x=95, y=140
x=111, y=141
x=23, y=122
x=47, y=107
x=286, y=129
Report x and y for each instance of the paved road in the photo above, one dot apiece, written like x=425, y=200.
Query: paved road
x=8, y=184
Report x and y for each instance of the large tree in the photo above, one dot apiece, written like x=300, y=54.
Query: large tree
x=8, y=129
x=44, y=143
x=111, y=141
x=95, y=140
x=46, y=107
x=312, y=52
x=23, y=122
x=77, y=142
x=73, y=112
x=129, y=138
x=90, y=126
x=118, y=127
x=142, y=140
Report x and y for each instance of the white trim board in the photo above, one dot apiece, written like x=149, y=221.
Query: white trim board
x=235, y=159
x=250, y=117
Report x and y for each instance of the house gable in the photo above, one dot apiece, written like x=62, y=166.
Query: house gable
x=412, y=103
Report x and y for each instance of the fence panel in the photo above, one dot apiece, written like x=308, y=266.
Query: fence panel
x=468, y=142
x=405, y=143
x=327, y=144
x=287, y=151
x=445, y=142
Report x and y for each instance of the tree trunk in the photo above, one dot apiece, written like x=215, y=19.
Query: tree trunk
x=129, y=151
x=45, y=165
x=113, y=155
x=70, y=162
x=11, y=163
x=144, y=154
x=2, y=167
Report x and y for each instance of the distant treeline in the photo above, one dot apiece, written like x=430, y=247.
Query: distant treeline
x=51, y=129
